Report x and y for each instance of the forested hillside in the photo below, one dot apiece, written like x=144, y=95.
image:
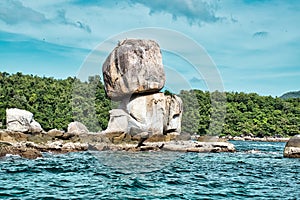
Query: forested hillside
x=246, y=114
x=56, y=103
x=288, y=95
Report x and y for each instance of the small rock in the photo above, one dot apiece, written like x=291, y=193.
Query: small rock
x=200, y=147
x=292, y=147
x=77, y=128
x=35, y=127
x=56, y=145
x=55, y=133
x=140, y=136
x=74, y=147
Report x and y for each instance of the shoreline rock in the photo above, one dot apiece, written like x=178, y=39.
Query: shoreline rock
x=15, y=149
x=292, y=147
x=21, y=121
x=32, y=146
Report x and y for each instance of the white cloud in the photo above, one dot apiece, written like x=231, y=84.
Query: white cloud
x=195, y=11
x=13, y=12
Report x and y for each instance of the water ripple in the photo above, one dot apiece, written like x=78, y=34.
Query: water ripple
x=247, y=174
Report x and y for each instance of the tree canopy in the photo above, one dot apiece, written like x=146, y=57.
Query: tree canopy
x=56, y=103
x=246, y=114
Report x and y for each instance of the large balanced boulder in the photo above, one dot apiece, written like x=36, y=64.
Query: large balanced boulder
x=292, y=147
x=134, y=66
x=21, y=121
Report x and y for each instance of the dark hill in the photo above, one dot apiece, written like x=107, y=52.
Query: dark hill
x=289, y=95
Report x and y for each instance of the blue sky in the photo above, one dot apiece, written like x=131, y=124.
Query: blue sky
x=254, y=44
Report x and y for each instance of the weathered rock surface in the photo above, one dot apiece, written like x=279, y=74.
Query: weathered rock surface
x=134, y=66
x=55, y=133
x=12, y=137
x=159, y=113
x=23, y=151
x=182, y=146
x=149, y=110
x=35, y=127
x=292, y=147
x=32, y=146
x=156, y=114
x=77, y=128
x=173, y=116
x=21, y=121
x=200, y=147
x=122, y=122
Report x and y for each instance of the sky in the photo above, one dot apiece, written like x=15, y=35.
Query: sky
x=245, y=46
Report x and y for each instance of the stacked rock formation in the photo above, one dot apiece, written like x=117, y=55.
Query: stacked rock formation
x=134, y=74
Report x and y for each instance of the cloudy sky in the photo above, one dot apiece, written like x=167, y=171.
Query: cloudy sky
x=254, y=45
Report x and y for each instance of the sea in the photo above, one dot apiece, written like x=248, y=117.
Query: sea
x=257, y=170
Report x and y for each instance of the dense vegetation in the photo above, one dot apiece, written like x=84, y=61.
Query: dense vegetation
x=56, y=103
x=288, y=95
x=246, y=114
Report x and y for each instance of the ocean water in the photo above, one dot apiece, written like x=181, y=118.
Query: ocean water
x=261, y=174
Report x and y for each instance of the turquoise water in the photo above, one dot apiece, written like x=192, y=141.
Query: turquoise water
x=154, y=175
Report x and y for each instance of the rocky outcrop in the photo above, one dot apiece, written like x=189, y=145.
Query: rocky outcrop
x=55, y=133
x=121, y=122
x=199, y=147
x=146, y=119
x=32, y=145
x=292, y=147
x=134, y=66
x=21, y=121
x=158, y=113
x=23, y=151
x=12, y=137
x=77, y=128
x=180, y=146
x=133, y=74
